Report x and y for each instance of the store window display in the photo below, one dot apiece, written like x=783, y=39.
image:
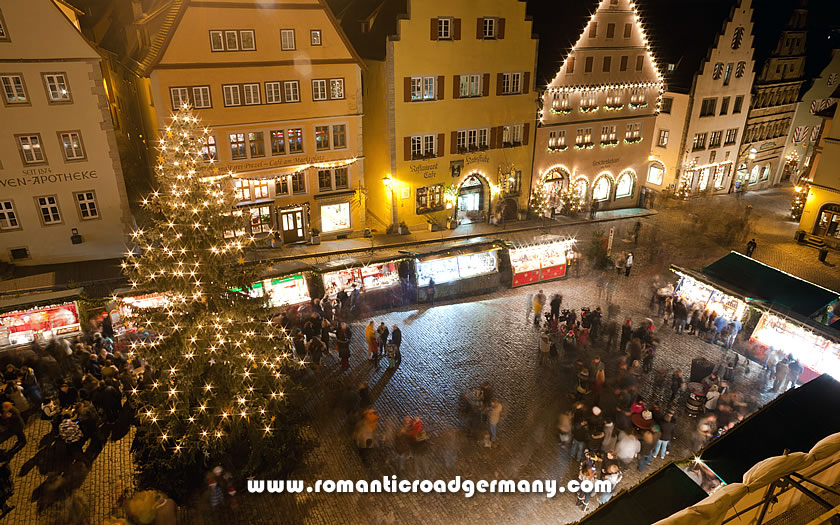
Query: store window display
x=335, y=217
x=601, y=189
x=656, y=174
x=450, y=269
x=624, y=186
x=365, y=278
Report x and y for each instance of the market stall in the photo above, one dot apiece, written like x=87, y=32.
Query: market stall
x=812, y=345
x=460, y=271
x=693, y=291
x=284, y=291
x=378, y=281
x=539, y=262
x=124, y=307
x=39, y=317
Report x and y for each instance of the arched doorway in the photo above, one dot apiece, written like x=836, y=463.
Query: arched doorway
x=828, y=221
x=472, y=200
x=554, y=181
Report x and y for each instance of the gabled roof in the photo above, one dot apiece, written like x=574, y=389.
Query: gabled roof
x=669, y=22
x=769, y=20
x=380, y=19
x=558, y=33
x=769, y=285
x=171, y=12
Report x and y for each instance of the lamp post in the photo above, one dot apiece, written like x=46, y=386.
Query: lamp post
x=389, y=183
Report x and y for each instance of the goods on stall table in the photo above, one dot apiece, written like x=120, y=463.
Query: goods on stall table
x=24, y=326
x=287, y=290
x=815, y=353
x=449, y=269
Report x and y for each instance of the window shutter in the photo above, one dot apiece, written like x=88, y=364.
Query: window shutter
x=492, y=138
x=407, y=148
x=456, y=29
x=479, y=28
x=499, y=136
x=453, y=142
x=456, y=86
x=526, y=82
x=485, y=85
x=441, y=85
x=440, y=145
x=434, y=29
x=499, y=83
x=500, y=28
x=407, y=94
x=526, y=130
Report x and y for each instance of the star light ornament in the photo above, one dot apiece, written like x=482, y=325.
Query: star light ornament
x=221, y=363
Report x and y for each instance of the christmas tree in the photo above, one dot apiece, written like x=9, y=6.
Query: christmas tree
x=221, y=384
x=539, y=204
x=800, y=194
x=571, y=200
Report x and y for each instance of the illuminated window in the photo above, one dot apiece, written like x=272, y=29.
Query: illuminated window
x=71, y=142
x=335, y=217
x=30, y=148
x=336, y=88
x=656, y=174
x=278, y=142
x=322, y=137
x=624, y=185
x=601, y=190
x=260, y=219
x=57, y=88
x=237, y=146
x=663, y=138
x=296, y=140
x=315, y=37
x=256, y=144
x=242, y=190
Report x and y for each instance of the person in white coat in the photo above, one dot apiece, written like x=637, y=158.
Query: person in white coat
x=494, y=415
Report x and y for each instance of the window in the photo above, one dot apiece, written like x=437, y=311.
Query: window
x=718, y=71
x=589, y=99
x=8, y=216
x=48, y=206
x=201, y=97
x=273, y=94
x=237, y=146
x=483, y=136
x=260, y=219
x=511, y=83
x=667, y=102
x=231, y=94
x=291, y=90
x=252, y=94
x=610, y=31
x=640, y=62
x=231, y=41
x=336, y=88
x=247, y=41
x=570, y=65
x=86, y=201
x=461, y=141
x=638, y=97
x=342, y=181
x=699, y=141
x=622, y=65
x=335, y=217
x=315, y=37
x=607, y=64
x=712, y=156
x=714, y=139
x=587, y=64
x=217, y=41
x=662, y=141
x=489, y=28
x=739, y=102
x=322, y=137
x=298, y=182
x=444, y=28
x=608, y=134
x=429, y=198
x=256, y=143
x=561, y=102
x=319, y=90
x=731, y=136
x=724, y=105
x=624, y=185
x=593, y=30
x=339, y=136
x=512, y=135
x=707, y=108
x=601, y=190
x=57, y=88
x=656, y=174
x=557, y=139
x=260, y=189
x=469, y=86
x=71, y=141
x=278, y=142
x=242, y=189
x=324, y=180
x=179, y=97
x=296, y=140
x=738, y=37
x=287, y=39
x=30, y=148
x=628, y=28
x=13, y=89
x=208, y=149
x=633, y=132
x=423, y=146
x=281, y=186
x=583, y=137
x=727, y=76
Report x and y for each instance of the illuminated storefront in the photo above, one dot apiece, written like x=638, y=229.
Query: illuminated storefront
x=365, y=278
x=692, y=291
x=33, y=322
x=285, y=291
x=124, y=308
x=539, y=262
x=446, y=269
x=335, y=217
x=818, y=354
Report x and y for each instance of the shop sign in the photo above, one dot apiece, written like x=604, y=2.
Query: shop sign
x=604, y=162
x=477, y=159
x=428, y=170
x=767, y=145
x=252, y=165
x=44, y=176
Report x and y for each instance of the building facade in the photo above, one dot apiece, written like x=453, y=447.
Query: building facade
x=772, y=106
x=805, y=129
x=449, y=109
x=278, y=85
x=599, y=113
x=704, y=109
x=62, y=193
x=821, y=214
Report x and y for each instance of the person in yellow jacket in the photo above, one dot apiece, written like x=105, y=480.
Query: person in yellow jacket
x=539, y=303
x=370, y=337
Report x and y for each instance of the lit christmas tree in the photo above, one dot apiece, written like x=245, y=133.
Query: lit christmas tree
x=221, y=389
x=571, y=200
x=539, y=204
x=800, y=195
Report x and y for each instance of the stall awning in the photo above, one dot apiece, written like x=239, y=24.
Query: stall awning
x=758, y=281
x=279, y=269
x=30, y=300
x=456, y=248
x=355, y=262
